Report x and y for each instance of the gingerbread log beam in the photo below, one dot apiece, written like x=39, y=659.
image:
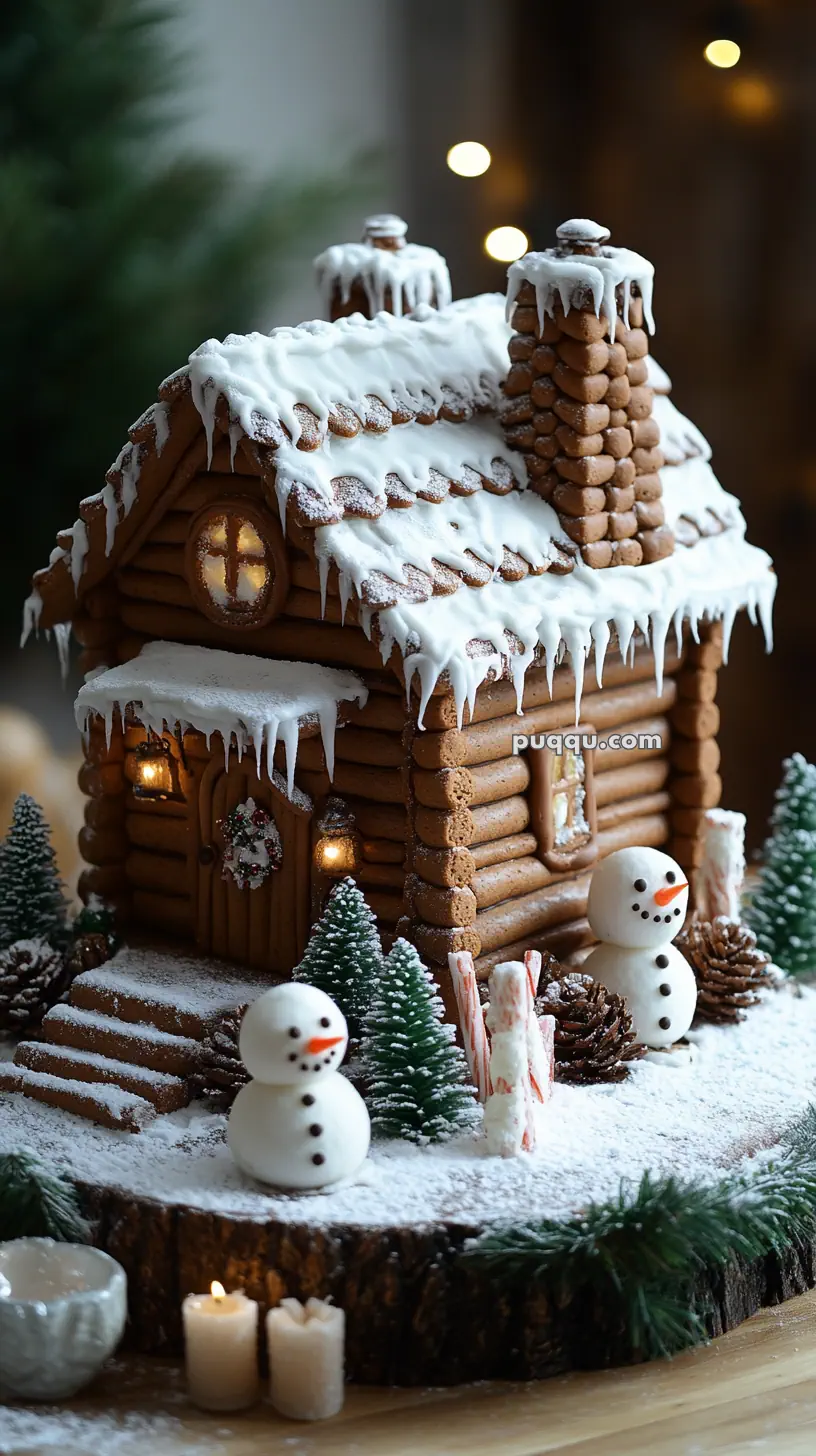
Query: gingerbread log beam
x=618, y=813
x=657, y=729
x=93, y=632
x=381, y=876
x=498, y=699
x=380, y=821
x=314, y=642
x=708, y=652
x=152, y=832
x=498, y=851
x=514, y=919
x=382, y=851
x=159, y=555
x=173, y=913
x=695, y=785
x=103, y=846
x=448, y=907
x=380, y=711
x=171, y=531
x=104, y=813
x=107, y=881
x=105, y=781
x=386, y=906
x=645, y=776
x=149, y=871
x=482, y=784
x=493, y=739
x=435, y=943
x=355, y=745
x=445, y=828
x=651, y=830
x=154, y=586
x=448, y=868
x=509, y=880
x=695, y=755
x=696, y=720
x=559, y=940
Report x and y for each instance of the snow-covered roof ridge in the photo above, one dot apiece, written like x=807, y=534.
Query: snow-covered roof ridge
x=253, y=700
x=420, y=360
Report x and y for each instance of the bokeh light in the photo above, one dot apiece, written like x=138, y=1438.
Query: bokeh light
x=752, y=98
x=469, y=159
x=505, y=244
x=722, y=53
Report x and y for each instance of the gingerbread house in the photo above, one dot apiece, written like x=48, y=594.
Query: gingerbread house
x=364, y=573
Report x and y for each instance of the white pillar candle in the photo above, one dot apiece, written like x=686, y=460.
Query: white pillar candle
x=221, y=1349
x=720, y=876
x=306, y=1359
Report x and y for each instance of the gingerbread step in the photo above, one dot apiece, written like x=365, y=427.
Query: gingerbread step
x=176, y=995
x=166, y=1092
x=142, y=1046
x=109, y=1106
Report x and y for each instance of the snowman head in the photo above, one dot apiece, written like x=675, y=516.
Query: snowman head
x=638, y=898
x=292, y=1034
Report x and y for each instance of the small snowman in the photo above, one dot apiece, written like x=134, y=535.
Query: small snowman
x=637, y=904
x=299, y=1123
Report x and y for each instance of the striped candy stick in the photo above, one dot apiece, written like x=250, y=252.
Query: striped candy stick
x=471, y=1020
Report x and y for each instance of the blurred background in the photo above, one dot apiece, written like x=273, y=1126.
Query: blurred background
x=170, y=167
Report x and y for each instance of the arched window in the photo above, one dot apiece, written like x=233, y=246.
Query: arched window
x=236, y=564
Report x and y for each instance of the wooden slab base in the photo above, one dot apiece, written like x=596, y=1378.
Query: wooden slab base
x=416, y=1314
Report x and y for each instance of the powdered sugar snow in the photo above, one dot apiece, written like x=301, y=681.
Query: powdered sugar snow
x=746, y=1084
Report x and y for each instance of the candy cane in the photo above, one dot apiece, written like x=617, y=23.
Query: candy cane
x=509, y=1119
x=471, y=1019
x=720, y=876
x=539, y=1063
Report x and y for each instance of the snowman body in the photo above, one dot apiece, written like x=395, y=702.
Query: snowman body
x=658, y=986
x=637, y=904
x=276, y=1134
x=299, y=1123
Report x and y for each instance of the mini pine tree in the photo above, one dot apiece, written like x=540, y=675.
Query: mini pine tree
x=95, y=918
x=32, y=900
x=782, y=913
x=344, y=957
x=795, y=802
x=417, y=1075
x=36, y=1202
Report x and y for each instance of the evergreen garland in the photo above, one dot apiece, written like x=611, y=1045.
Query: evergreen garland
x=636, y=1262
x=32, y=900
x=344, y=956
x=418, y=1085
x=782, y=912
x=37, y=1203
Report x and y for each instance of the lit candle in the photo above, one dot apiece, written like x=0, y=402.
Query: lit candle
x=306, y=1359
x=221, y=1349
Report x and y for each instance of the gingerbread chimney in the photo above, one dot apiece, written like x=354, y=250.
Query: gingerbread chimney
x=383, y=272
x=578, y=403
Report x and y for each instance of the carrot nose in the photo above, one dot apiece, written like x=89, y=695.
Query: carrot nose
x=321, y=1044
x=662, y=897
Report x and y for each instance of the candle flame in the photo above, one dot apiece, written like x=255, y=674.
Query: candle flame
x=217, y=1290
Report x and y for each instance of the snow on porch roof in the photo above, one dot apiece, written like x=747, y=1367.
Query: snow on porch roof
x=253, y=698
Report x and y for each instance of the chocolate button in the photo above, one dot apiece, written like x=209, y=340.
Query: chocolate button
x=664, y=1023
x=662, y=961
x=317, y=1159
x=307, y=1099
x=665, y=989
x=315, y=1129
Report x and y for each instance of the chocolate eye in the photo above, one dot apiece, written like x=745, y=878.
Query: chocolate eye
x=324, y=1021
x=640, y=886
x=294, y=1031
x=671, y=876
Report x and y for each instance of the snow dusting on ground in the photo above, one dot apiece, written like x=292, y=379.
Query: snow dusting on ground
x=746, y=1084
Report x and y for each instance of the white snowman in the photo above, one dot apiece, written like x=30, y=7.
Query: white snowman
x=637, y=904
x=299, y=1123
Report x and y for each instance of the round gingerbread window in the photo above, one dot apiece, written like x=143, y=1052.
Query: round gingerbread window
x=236, y=565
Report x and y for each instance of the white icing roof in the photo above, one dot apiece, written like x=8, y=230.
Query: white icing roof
x=461, y=349
x=254, y=699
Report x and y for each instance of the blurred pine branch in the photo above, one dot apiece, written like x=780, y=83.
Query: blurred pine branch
x=119, y=256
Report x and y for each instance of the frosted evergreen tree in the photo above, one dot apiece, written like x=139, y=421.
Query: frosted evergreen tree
x=418, y=1086
x=344, y=956
x=32, y=899
x=782, y=913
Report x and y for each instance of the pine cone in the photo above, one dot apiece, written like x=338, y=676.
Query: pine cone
x=33, y=977
x=729, y=969
x=220, y=1074
x=593, y=1034
x=552, y=969
x=87, y=952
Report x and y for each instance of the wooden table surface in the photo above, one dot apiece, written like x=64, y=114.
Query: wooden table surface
x=752, y=1391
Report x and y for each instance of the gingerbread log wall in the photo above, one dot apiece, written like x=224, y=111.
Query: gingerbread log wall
x=477, y=882
x=695, y=783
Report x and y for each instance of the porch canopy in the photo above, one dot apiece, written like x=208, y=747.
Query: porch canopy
x=253, y=700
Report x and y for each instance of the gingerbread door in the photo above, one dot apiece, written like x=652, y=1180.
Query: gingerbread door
x=266, y=927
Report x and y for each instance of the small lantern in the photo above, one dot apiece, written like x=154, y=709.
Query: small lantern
x=337, y=847
x=155, y=771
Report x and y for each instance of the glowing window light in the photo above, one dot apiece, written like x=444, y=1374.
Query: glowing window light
x=468, y=159
x=722, y=53
x=505, y=244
